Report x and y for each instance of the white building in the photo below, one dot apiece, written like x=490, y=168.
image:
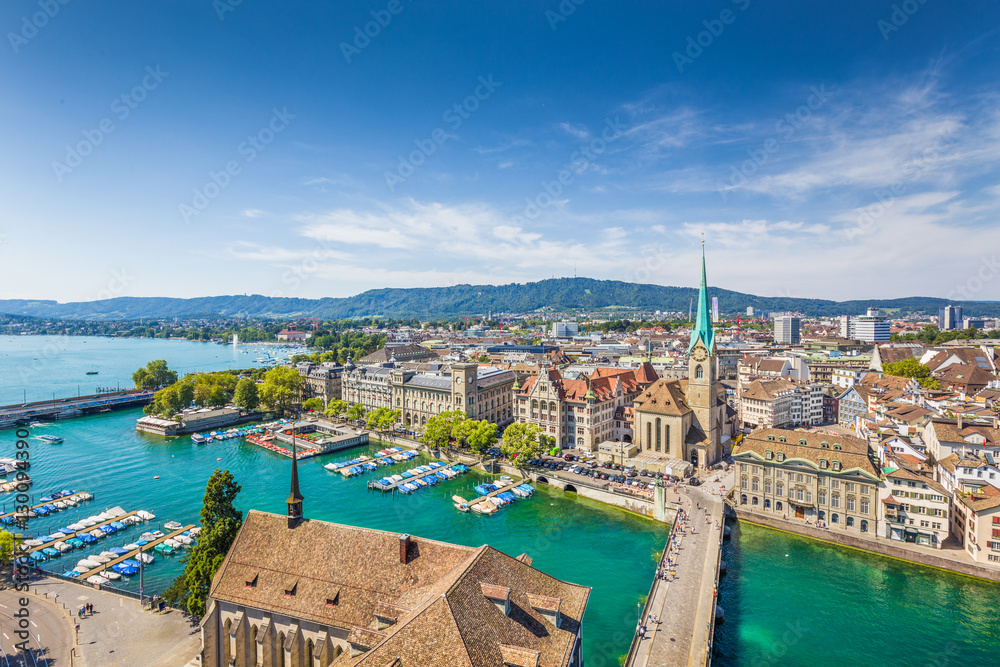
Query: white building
x=786, y=330
x=870, y=328
x=565, y=329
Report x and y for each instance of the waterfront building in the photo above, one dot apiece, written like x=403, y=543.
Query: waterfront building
x=976, y=524
x=585, y=411
x=292, y=335
x=192, y=420
x=786, y=330
x=686, y=420
x=915, y=508
x=809, y=477
x=321, y=381
x=295, y=592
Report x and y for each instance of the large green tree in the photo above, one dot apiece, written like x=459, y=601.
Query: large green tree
x=442, y=428
x=154, y=375
x=246, y=396
x=336, y=408
x=281, y=389
x=220, y=522
x=355, y=411
x=480, y=435
x=912, y=368
x=521, y=442
x=382, y=419
x=315, y=404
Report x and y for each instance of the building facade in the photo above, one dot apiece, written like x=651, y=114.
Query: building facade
x=809, y=477
x=787, y=330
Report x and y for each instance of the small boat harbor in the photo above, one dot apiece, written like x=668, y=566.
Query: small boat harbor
x=494, y=495
x=125, y=550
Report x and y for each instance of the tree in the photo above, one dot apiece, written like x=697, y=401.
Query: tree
x=312, y=404
x=282, y=387
x=154, y=375
x=6, y=548
x=521, y=442
x=246, y=396
x=442, y=428
x=185, y=393
x=356, y=411
x=220, y=522
x=335, y=408
x=912, y=368
x=482, y=436
x=382, y=419
x=217, y=397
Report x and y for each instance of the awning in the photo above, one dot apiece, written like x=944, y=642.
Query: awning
x=891, y=501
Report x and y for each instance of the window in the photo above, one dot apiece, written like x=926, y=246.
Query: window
x=781, y=489
x=850, y=521
x=834, y=518
x=848, y=486
x=754, y=485
x=835, y=500
x=743, y=482
x=777, y=506
x=798, y=477
x=699, y=372
x=769, y=455
x=781, y=455
x=754, y=500
x=767, y=486
x=850, y=503
x=821, y=498
x=864, y=506
x=659, y=434
x=836, y=466
x=864, y=526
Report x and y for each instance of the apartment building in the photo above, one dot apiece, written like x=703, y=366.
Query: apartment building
x=916, y=509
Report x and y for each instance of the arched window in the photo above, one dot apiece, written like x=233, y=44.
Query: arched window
x=864, y=526
x=767, y=504
x=822, y=515
x=659, y=434
x=778, y=505
x=834, y=518
x=754, y=501
x=649, y=435
x=699, y=372
x=743, y=499
x=534, y=404
x=579, y=441
x=850, y=521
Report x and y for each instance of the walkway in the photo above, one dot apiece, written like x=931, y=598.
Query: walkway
x=684, y=604
x=107, y=637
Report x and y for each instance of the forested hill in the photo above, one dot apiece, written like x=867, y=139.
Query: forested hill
x=559, y=294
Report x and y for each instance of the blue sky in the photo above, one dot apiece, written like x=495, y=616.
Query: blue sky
x=834, y=150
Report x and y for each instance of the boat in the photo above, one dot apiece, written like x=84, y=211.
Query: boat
x=111, y=574
x=462, y=507
x=99, y=558
x=86, y=538
x=118, y=551
x=144, y=557
x=96, y=579
x=164, y=548
x=172, y=525
x=51, y=553
x=62, y=547
x=92, y=372
x=51, y=439
x=199, y=439
x=145, y=516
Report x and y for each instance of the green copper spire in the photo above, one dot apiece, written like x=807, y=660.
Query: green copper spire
x=703, y=325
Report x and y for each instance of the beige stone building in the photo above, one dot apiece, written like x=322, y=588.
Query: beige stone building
x=915, y=508
x=976, y=524
x=811, y=477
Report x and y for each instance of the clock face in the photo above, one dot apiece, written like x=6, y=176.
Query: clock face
x=700, y=354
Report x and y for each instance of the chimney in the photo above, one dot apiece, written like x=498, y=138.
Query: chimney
x=959, y=422
x=404, y=548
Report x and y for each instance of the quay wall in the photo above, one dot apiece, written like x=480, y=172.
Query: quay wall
x=883, y=548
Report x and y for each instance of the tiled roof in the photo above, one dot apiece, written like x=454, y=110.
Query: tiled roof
x=443, y=617
x=988, y=499
x=853, y=452
x=665, y=397
x=766, y=390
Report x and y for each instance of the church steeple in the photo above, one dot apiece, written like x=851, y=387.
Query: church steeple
x=703, y=325
x=294, y=497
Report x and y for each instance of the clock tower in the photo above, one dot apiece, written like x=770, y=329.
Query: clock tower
x=702, y=386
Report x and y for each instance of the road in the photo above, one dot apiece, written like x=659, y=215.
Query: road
x=51, y=638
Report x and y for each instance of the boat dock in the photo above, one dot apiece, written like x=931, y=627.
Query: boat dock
x=85, y=530
x=508, y=487
x=149, y=547
x=14, y=514
x=392, y=487
x=62, y=408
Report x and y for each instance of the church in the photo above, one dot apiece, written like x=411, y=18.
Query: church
x=297, y=592
x=681, y=425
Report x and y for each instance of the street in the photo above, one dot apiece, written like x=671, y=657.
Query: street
x=50, y=640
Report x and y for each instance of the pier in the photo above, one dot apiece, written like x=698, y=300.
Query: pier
x=335, y=438
x=149, y=547
x=500, y=490
x=64, y=408
x=392, y=487
x=33, y=507
x=85, y=530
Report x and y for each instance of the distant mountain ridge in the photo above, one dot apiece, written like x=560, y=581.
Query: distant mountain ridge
x=560, y=294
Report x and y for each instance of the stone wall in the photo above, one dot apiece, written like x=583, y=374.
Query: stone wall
x=882, y=547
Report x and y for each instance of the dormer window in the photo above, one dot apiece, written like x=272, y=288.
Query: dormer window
x=802, y=441
x=252, y=583
x=781, y=438
x=781, y=457
x=836, y=446
x=836, y=466
x=769, y=455
x=824, y=464
x=290, y=589
x=770, y=436
x=825, y=444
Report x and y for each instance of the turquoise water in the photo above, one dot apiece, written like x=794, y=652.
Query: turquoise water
x=570, y=538
x=35, y=368
x=793, y=601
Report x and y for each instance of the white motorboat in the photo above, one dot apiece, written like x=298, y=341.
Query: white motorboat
x=131, y=547
x=145, y=516
x=173, y=544
x=98, y=533
x=194, y=531
x=60, y=504
x=111, y=574
x=99, y=559
x=76, y=526
x=110, y=555
x=183, y=539
x=144, y=557
x=86, y=496
x=33, y=543
x=62, y=547
x=96, y=579
x=86, y=564
x=172, y=525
